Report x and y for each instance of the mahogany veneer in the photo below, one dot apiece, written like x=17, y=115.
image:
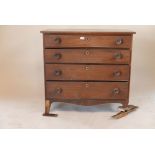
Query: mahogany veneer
x=87, y=67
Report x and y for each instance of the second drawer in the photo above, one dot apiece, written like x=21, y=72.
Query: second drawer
x=87, y=72
x=101, y=56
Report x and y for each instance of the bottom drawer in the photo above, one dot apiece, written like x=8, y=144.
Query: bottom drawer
x=86, y=90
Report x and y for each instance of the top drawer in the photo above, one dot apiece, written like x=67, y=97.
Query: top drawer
x=62, y=41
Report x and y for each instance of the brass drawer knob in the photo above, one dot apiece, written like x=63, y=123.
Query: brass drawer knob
x=119, y=41
x=57, y=56
x=57, y=40
x=116, y=91
x=57, y=72
x=58, y=90
x=118, y=56
x=117, y=73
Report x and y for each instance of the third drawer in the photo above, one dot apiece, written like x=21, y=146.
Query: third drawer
x=87, y=72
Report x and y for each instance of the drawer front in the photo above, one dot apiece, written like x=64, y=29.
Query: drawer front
x=87, y=72
x=105, y=56
x=60, y=41
x=86, y=90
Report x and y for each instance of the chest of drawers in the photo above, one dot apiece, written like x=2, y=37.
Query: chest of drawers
x=87, y=67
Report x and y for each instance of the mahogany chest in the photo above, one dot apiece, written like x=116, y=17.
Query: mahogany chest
x=87, y=67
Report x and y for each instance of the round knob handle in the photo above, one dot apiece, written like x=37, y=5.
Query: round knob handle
x=57, y=56
x=116, y=91
x=57, y=40
x=119, y=41
x=117, y=73
x=57, y=72
x=58, y=90
x=118, y=56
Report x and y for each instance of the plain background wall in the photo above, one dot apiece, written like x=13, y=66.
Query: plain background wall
x=21, y=61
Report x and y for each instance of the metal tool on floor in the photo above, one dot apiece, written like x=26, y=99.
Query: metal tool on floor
x=124, y=111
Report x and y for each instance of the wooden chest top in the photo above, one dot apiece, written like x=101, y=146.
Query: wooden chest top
x=88, y=31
